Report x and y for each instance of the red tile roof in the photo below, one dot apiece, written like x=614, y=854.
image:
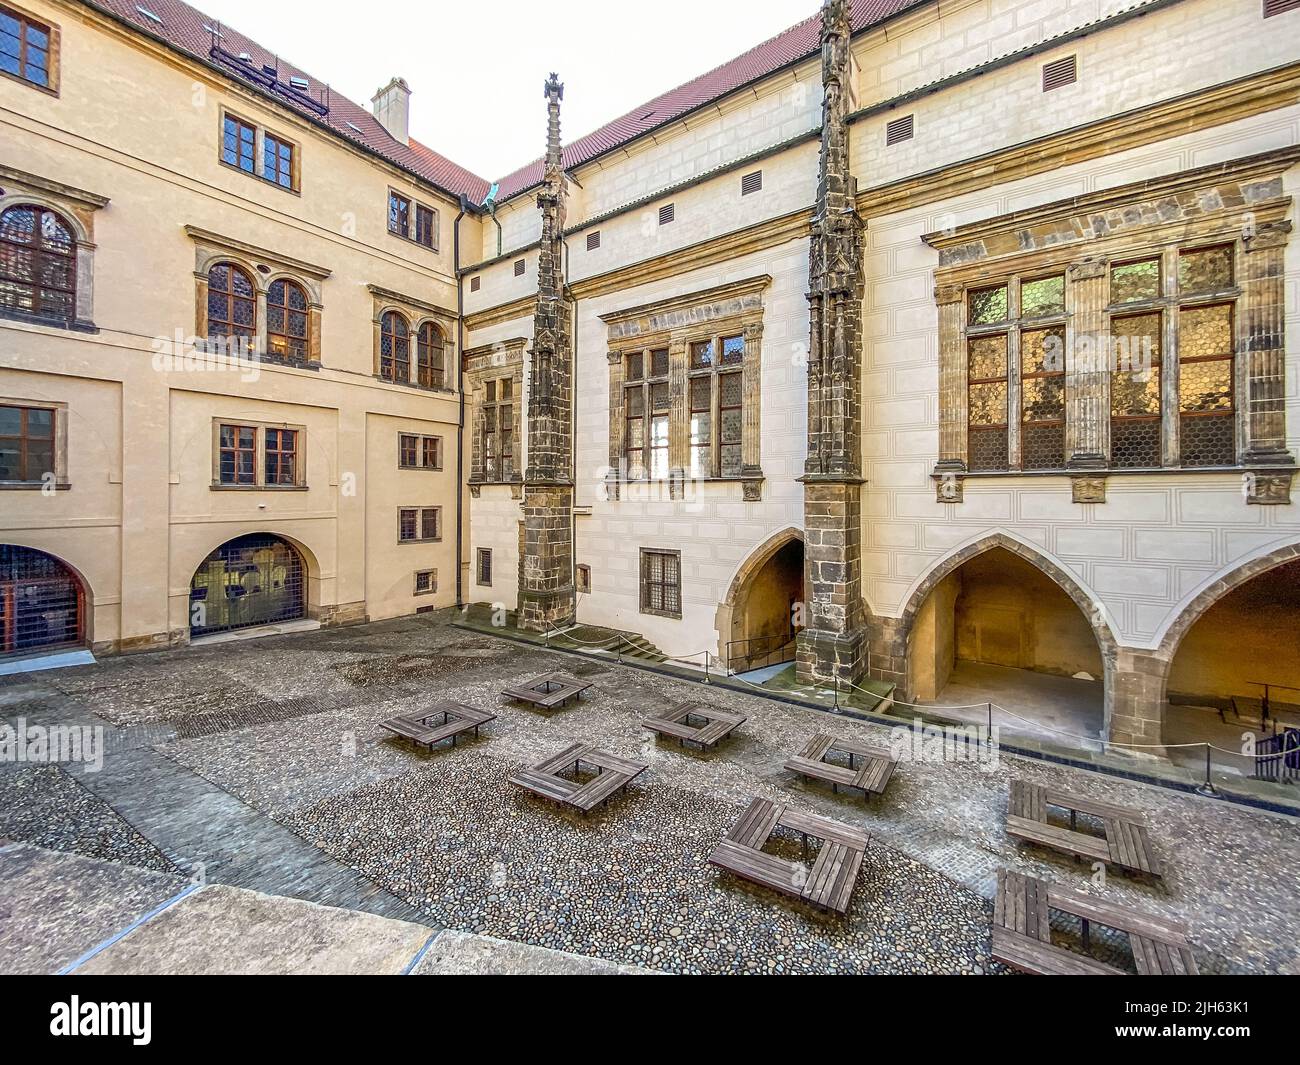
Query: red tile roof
x=189, y=30
x=794, y=45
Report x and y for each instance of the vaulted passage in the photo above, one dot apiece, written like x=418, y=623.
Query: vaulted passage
x=42, y=603
x=765, y=612
x=1249, y=639
x=999, y=629
x=253, y=580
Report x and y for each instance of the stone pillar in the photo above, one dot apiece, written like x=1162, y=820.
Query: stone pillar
x=617, y=424
x=546, y=590
x=1135, y=702
x=1263, y=335
x=679, y=430
x=1088, y=359
x=751, y=440
x=953, y=369
x=833, y=644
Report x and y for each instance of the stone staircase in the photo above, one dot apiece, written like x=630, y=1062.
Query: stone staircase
x=593, y=639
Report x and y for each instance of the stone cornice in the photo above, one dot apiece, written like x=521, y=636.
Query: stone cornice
x=218, y=240
x=1255, y=168
x=735, y=290
x=387, y=295
x=56, y=189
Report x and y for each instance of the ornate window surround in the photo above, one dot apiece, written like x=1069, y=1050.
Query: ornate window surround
x=675, y=323
x=265, y=268
x=1240, y=203
x=77, y=207
x=417, y=313
x=492, y=362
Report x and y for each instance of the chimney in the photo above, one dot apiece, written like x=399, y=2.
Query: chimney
x=392, y=106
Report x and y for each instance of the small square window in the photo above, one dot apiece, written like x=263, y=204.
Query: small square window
x=520, y=266
x=426, y=582
x=667, y=213
x=593, y=240
x=475, y=283
x=751, y=183
x=582, y=578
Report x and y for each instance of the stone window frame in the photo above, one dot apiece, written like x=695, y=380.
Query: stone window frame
x=259, y=458
x=503, y=360
x=53, y=51
x=1241, y=203
x=417, y=314
x=264, y=267
x=643, y=585
x=77, y=208
x=420, y=512
x=59, y=410
x=260, y=133
x=431, y=576
x=414, y=206
x=483, y=566
x=420, y=440
x=582, y=579
x=734, y=309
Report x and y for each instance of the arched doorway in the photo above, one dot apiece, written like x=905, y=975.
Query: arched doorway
x=42, y=602
x=993, y=626
x=257, y=579
x=764, y=602
x=1239, y=659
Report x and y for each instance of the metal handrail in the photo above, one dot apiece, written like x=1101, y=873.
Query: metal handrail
x=766, y=657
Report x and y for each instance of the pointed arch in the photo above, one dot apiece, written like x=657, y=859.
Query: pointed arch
x=1091, y=607
x=732, y=610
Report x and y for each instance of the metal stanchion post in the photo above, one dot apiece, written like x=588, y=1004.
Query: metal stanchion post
x=1208, y=787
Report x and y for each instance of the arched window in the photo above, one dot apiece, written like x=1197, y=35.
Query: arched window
x=38, y=262
x=394, y=348
x=232, y=305
x=286, y=320
x=429, y=356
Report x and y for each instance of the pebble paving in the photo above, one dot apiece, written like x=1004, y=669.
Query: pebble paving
x=289, y=726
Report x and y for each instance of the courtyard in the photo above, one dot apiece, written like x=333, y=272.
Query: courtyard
x=262, y=766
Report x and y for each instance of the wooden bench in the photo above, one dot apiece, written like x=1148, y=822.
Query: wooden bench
x=424, y=729
x=612, y=775
x=1126, y=845
x=1022, y=933
x=828, y=884
x=675, y=723
x=869, y=770
x=548, y=692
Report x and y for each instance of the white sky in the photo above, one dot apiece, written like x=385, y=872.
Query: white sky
x=480, y=101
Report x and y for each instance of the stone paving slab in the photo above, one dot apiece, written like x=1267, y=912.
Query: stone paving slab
x=221, y=930
x=54, y=907
x=465, y=954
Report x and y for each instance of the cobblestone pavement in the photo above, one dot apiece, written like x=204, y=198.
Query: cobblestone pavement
x=289, y=727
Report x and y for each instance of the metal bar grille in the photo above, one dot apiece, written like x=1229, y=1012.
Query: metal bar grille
x=254, y=580
x=41, y=602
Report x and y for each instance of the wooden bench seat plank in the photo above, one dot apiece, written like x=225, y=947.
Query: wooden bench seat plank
x=756, y=824
x=1062, y=839
x=543, y=784
x=823, y=828
x=1043, y=959
x=1082, y=804
x=1121, y=917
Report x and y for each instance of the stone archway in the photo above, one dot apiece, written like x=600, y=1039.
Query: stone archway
x=758, y=608
x=43, y=602
x=253, y=580
x=1001, y=607
x=1253, y=609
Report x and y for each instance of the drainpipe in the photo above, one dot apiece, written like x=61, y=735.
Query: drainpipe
x=460, y=392
x=491, y=204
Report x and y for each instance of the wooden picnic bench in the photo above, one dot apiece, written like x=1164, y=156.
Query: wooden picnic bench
x=547, y=692
x=1022, y=933
x=547, y=781
x=869, y=769
x=1126, y=844
x=711, y=727
x=828, y=884
x=444, y=721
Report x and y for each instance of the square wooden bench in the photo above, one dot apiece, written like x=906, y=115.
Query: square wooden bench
x=548, y=692
x=1126, y=845
x=827, y=884
x=696, y=723
x=869, y=769
x=546, y=780
x=444, y=721
x=1022, y=933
